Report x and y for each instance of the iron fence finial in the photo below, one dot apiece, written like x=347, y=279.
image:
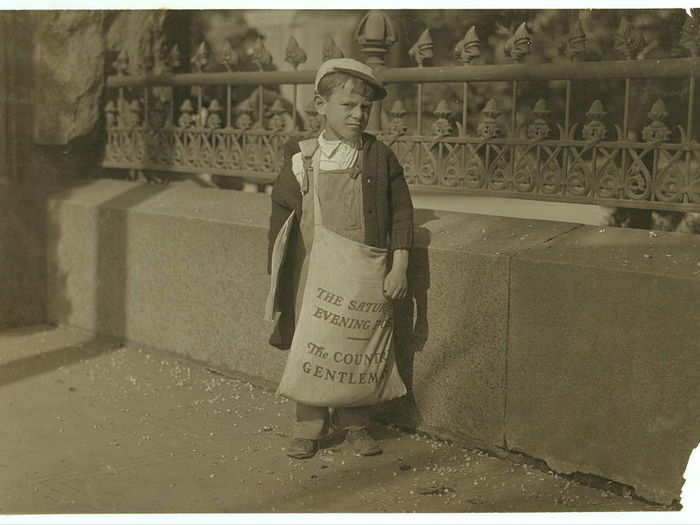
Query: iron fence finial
x=469, y=47
x=575, y=48
x=174, y=57
x=201, y=57
x=597, y=110
x=313, y=121
x=442, y=127
x=422, y=49
x=397, y=125
x=330, y=49
x=397, y=109
x=690, y=34
x=489, y=127
x=277, y=107
x=595, y=129
x=442, y=110
x=628, y=40
x=260, y=55
x=657, y=130
x=121, y=64
x=230, y=57
x=375, y=34
x=518, y=46
x=214, y=119
x=244, y=114
x=539, y=128
x=294, y=54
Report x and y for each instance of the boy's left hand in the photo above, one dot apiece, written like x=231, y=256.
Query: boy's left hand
x=395, y=284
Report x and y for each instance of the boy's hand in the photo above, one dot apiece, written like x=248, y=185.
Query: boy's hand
x=395, y=282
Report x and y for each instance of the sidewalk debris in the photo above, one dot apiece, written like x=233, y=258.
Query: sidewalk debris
x=434, y=487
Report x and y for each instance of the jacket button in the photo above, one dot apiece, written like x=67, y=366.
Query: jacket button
x=370, y=212
x=369, y=180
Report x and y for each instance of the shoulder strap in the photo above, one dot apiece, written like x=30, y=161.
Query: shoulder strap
x=308, y=148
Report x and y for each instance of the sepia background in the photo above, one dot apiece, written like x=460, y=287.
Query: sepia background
x=555, y=175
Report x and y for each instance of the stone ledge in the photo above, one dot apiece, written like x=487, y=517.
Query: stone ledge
x=171, y=200
x=665, y=254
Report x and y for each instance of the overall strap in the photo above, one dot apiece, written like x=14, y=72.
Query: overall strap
x=357, y=167
x=316, y=168
x=308, y=148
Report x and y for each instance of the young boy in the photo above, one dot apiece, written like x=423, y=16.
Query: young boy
x=363, y=197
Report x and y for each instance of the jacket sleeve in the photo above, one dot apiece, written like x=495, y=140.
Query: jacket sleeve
x=401, y=206
x=284, y=194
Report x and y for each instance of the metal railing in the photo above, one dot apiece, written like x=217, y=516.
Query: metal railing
x=524, y=154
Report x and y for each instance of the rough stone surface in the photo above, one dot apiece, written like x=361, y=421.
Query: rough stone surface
x=74, y=52
x=69, y=58
x=21, y=257
x=196, y=279
x=28, y=173
x=603, y=372
x=133, y=32
x=22, y=282
x=454, y=353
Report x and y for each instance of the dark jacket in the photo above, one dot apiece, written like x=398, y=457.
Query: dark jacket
x=388, y=215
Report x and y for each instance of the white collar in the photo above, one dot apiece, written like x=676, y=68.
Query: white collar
x=329, y=147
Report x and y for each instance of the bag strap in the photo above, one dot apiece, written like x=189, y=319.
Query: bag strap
x=308, y=148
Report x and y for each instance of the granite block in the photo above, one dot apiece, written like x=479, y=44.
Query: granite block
x=603, y=365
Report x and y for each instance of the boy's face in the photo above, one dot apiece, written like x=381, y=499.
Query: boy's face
x=346, y=112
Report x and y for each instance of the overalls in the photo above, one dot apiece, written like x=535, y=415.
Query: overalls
x=340, y=200
x=342, y=353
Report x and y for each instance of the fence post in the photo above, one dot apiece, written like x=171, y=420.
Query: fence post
x=375, y=34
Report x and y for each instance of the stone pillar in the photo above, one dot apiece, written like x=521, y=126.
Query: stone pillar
x=375, y=35
x=21, y=211
x=69, y=62
x=15, y=89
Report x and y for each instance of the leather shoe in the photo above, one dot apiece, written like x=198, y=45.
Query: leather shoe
x=301, y=448
x=362, y=443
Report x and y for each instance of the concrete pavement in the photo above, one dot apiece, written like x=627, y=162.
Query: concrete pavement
x=96, y=426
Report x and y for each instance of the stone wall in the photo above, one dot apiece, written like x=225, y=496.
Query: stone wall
x=19, y=242
x=572, y=344
x=52, y=66
x=603, y=337
x=48, y=141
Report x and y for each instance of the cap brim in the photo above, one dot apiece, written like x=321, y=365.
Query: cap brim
x=380, y=91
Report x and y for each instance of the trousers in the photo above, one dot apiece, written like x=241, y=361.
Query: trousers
x=313, y=422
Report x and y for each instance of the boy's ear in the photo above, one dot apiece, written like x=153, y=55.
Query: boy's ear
x=320, y=104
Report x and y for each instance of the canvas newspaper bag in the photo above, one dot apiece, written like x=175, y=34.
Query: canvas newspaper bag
x=342, y=351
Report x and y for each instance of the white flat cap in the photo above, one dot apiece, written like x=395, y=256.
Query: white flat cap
x=352, y=67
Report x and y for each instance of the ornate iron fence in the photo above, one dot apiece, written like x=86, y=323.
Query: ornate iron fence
x=491, y=153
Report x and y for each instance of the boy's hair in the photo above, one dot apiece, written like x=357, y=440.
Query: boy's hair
x=331, y=81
